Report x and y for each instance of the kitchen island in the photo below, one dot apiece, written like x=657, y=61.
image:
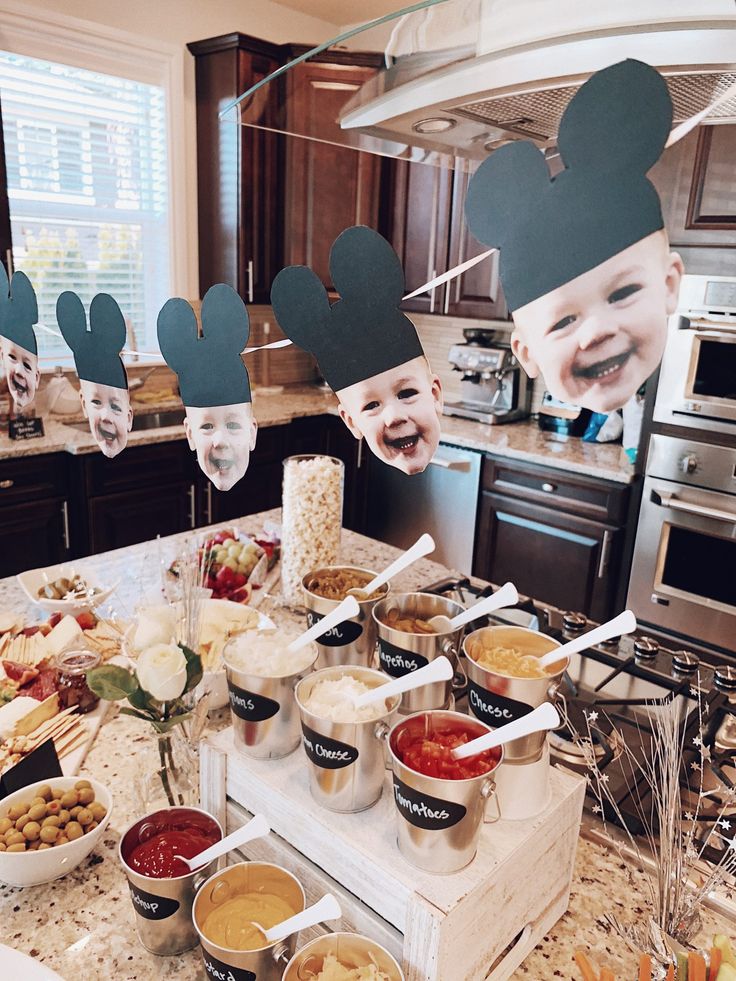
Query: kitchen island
x=83, y=923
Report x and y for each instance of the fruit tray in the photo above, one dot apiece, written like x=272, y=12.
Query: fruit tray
x=480, y=922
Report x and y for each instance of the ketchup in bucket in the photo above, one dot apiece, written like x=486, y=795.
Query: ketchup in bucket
x=426, y=747
x=167, y=834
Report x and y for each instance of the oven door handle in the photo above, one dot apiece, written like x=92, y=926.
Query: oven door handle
x=668, y=500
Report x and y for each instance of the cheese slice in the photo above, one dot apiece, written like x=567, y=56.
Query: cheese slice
x=66, y=632
x=24, y=714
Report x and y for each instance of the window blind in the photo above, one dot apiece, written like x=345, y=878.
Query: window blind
x=86, y=159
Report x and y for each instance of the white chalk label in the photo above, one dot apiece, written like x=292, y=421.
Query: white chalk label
x=344, y=633
x=397, y=662
x=494, y=709
x=249, y=706
x=152, y=907
x=328, y=753
x=425, y=811
x=223, y=972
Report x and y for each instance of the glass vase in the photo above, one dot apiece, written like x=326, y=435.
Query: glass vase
x=311, y=519
x=168, y=773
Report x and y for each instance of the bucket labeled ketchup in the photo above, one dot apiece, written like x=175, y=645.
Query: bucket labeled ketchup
x=425, y=745
x=158, y=839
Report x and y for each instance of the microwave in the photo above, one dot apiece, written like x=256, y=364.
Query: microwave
x=697, y=379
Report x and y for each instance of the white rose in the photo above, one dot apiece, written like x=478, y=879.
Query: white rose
x=162, y=671
x=156, y=625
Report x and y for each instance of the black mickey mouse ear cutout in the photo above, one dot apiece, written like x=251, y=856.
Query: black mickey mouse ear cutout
x=210, y=368
x=18, y=314
x=102, y=377
x=213, y=380
x=551, y=230
x=364, y=333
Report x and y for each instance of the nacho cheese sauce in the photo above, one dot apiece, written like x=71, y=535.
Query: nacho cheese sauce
x=428, y=750
x=231, y=924
x=333, y=699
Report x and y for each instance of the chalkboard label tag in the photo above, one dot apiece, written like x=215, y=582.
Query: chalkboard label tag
x=223, y=972
x=330, y=754
x=494, y=709
x=152, y=907
x=397, y=662
x=25, y=427
x=251, y=707
x=425, y=811
x=344, y=633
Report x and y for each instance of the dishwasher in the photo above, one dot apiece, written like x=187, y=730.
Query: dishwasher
x=442, y=500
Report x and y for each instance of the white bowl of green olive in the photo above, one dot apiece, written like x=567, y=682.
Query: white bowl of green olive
x=49, y=827
x=63, y=589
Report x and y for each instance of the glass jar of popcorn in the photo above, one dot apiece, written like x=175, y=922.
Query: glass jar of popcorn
x=311, y=519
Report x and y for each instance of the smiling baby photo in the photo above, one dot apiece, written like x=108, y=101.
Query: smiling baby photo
x=585, y=261
x=366, y=348
x=18, y=348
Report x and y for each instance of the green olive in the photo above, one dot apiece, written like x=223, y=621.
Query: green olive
x=53, y=807
x=45, y=792
x=85, y=816
x=38, y=800
x=82, y=785
x=64, y=816
x=33, y=845
x=3, y=846
x=57, y=794
x=52, y=821
x=15, y=838
x=91, y=827
x=17, y=847
x=98, y=811
x=86, y=795
x=62, y=840
x=70, y=798
x=17, y=810
x=73, y=830
x=43, y=845
x=38, y=812
x=31, y=830
x=22, y=822
x=49, y=834
x=5, y=825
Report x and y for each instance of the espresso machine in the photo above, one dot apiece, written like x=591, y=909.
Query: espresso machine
x=494, y=387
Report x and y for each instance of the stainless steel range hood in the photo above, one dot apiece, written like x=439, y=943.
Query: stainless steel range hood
x=529, y=59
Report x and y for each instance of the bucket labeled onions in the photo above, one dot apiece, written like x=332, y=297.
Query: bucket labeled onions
x=407, y=642
x=344, y=745
x=261, y=676
x=440, y=801
x=354, y=640
x=342, y=955
x=162, y=887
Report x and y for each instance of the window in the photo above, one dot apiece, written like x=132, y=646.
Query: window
x=86, y=158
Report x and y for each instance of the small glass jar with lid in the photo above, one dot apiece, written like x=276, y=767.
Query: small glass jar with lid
x=73, y=689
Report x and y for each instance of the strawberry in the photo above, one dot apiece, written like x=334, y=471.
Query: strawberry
x=54, y=619
x=87, y=621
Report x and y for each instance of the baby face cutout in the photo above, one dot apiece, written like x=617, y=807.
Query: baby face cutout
x=223, y=437
x=110, y=415
x=21, y=372
x=598, y=338
x=398, y=412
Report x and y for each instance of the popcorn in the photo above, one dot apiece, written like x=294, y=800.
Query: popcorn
x=311, y=519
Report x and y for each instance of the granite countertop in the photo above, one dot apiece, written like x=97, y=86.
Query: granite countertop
x=519, y=440
x=85, y=921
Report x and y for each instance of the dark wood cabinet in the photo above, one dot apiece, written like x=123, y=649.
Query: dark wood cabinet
x=147, y=491
x=267, y=200
x=430, y=236
x=34, y=512
x=557, y=535
x=6, y=240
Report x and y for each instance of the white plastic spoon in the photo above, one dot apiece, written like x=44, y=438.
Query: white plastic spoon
x=326, y=908
x=421, y=547
x=257, y=827
x=505, y=596
x=343, y=611
x=438, y=670
x=543, y=717
x=624, y=623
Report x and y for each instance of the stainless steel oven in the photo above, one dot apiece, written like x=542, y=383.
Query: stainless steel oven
x=683, y=577
x=697, y=381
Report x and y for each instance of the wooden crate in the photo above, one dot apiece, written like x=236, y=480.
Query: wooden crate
x=478, y=923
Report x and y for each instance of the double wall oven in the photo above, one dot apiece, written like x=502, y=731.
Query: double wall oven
x=683, y=577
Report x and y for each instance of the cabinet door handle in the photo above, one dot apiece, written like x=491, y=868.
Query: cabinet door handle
x=359, y=464
x=549, y=488
x=446, y=305
x=65, y=525
x=192, y=512
x=208, y=496
x=432, y=292
x=4, y=484
x=250, y=280
x=605, y=553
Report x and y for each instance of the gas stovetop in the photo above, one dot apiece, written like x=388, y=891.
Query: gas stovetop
x=618, y=682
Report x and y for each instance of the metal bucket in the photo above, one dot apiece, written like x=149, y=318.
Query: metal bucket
x=351, y=949
x=439, y=820
x=347, y=760
x=350, y=642
x=399, y=652
x=163, y=907
x=264, y=714
x=266, y=963
x=496, y=698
